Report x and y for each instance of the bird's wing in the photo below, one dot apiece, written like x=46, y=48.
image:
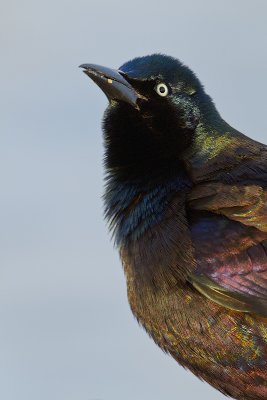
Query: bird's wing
x=243, y=203
x=229, y=232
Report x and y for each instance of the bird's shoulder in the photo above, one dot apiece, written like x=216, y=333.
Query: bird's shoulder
x=228, y=156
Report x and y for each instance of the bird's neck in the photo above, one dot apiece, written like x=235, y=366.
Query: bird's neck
x=135, y=204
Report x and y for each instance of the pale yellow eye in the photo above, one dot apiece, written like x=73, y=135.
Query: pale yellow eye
x=162, y=89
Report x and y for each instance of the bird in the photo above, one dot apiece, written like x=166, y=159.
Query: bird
x=186, y=203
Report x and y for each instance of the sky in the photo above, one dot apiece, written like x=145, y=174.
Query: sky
x=66, y=330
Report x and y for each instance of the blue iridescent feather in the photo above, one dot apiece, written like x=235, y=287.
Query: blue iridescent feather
x=128, y=222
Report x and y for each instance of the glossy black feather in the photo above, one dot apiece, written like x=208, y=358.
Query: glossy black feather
x=186, y=199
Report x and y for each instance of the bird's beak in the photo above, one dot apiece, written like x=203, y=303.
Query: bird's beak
x=113, y=84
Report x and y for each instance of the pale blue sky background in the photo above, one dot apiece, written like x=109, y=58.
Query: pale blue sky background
x=66, y=331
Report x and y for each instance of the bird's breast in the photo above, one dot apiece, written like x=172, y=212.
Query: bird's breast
x=135, y=208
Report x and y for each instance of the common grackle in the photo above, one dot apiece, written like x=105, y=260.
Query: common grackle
x=186, y=199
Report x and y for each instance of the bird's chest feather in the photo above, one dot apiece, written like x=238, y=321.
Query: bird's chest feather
x=151, y=231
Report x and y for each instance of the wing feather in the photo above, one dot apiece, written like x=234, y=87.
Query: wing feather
x=229, y=232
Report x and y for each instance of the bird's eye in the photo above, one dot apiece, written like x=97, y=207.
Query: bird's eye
x=162, y=89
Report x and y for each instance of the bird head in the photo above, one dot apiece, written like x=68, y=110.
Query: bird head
x=155, y=106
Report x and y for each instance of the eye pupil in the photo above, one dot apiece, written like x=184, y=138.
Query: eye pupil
x=162, y=89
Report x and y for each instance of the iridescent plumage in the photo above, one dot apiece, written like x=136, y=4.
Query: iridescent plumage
x=186, y=198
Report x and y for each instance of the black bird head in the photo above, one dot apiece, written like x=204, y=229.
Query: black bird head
x=156, y=104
